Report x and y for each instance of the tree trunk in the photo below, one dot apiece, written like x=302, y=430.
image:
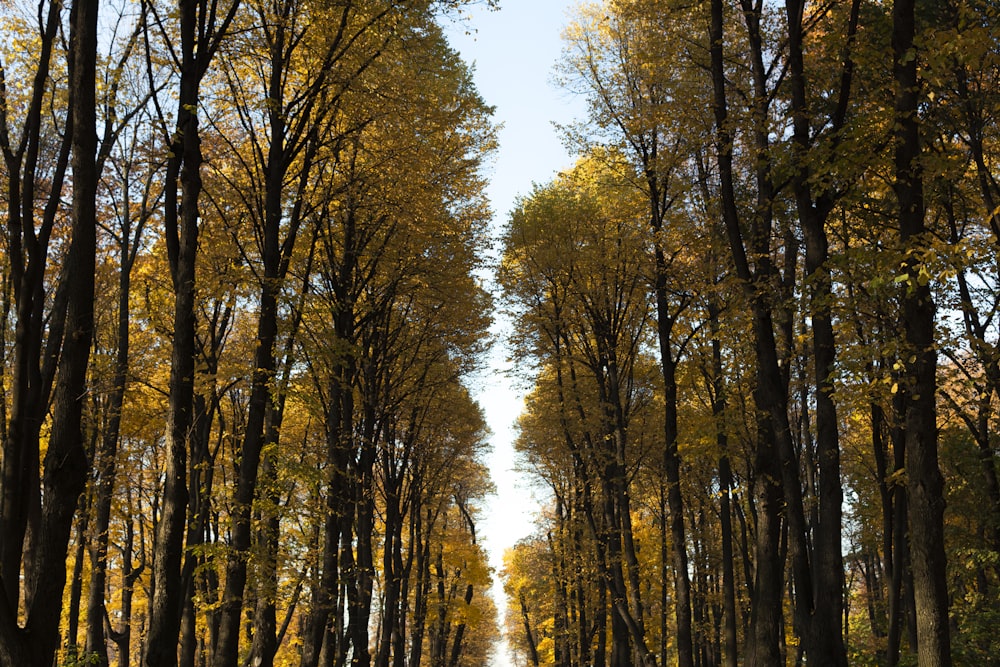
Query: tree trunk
x=764, y=634
x=529, y=637
x=106, y=464
x=66, y=465
x=924, y=481
x=725, y=489
x=30, y=388
x=825, y=634
x=672, y=472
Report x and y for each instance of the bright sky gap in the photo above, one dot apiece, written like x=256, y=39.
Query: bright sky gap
x=512, y=52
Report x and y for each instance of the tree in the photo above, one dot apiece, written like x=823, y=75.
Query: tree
x=596, y=320
x=638, y=106
x=924, y=483
x=201, y=27
x=65, y=466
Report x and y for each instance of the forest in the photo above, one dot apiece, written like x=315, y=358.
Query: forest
x=248, y=275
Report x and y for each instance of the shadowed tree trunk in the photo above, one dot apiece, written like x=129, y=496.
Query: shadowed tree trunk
x=200, y=31
x=825, y=637
x=764, y=633
x=33, y=365
x=65, y=468
x=924, y=482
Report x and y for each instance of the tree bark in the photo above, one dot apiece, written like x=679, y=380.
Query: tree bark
x=924, y=481
x=764, y=634
x=31, y=372
x=672, y=468
x=200, y=34
x=825, y=641
x=66, y=465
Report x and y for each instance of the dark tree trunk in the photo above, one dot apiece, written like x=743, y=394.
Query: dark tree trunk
x=181, y=227
x=719, y=401
x=672, y=472
x=27, y=253
x=76, y=580
x=130, y=575
x=764, y=634
x=106, y=459
x=66, y=464
x=825, y=643
x=391, y=570
x=200, y=31
x=529, y=636
x=456, y=643
x=265, y=618
x=924, y=481
x=277, y=253
x=421, y=543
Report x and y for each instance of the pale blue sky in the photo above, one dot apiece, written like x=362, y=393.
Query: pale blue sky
x=513, y=51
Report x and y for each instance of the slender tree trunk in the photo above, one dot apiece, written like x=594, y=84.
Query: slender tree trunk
x=201, y=466
x=276, y=254
x=325, y=598
x=66, y=465
x=421, y=543
x=671, y=469
x=265, y=618
x=456, y=644
x=764, y=634
x=123, y=638
x=250, y=452
x=106, y=464
x=826, y=637
x=725, y=489
x=529, y=636
x=76, y=580
x=924, y=481
x=391, y=574
x=181, y=222
x=20, y=499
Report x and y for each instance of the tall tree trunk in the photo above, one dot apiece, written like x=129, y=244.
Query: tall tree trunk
x=719, y=401
x=130, y=575
x=106, y=463
x=27, y=253
x=250, y=452
x=529, y=636
x=276, y=253
x=391, y=569
x=924, y=481
x=672, y=472
x=764, y=634
x=76, y=580
x=420, y=541
x=66, y=465
x=264, y=640
x=825, y=641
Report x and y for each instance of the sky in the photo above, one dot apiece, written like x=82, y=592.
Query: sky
x=512, y=52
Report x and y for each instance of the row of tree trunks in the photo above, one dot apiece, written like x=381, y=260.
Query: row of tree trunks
x=195, y=613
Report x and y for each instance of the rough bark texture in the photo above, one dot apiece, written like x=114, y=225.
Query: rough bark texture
x=924, y=481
